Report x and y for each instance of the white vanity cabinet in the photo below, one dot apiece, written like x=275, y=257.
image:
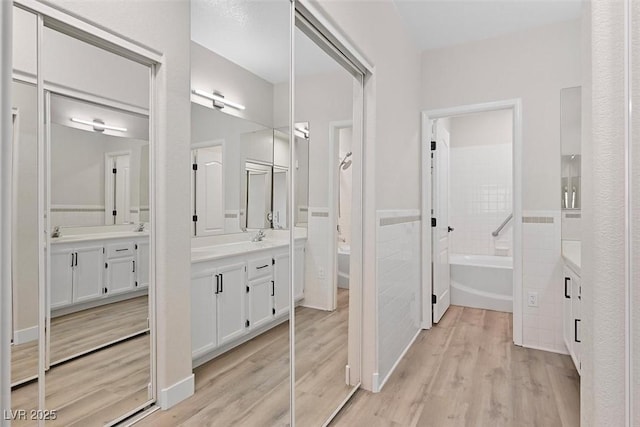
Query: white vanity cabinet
x=237, y=297
x=217, y=304
x=572, y=315
x=120, y=267
x=76, y=274
x=92, y=270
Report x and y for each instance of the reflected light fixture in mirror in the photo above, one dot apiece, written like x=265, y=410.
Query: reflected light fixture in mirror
x=98, y=125
x=218, y=100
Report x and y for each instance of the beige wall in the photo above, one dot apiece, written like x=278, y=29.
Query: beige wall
x=164, y=26
x=533, y=65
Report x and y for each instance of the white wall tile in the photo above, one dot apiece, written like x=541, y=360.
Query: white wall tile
x=542, y=273
x=480, y=195
x=398, y=278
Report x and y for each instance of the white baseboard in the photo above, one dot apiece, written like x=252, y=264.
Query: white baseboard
x=550, y=350
x=178, y=392
x=395, y=365
x=375, y=380
x=22, y=336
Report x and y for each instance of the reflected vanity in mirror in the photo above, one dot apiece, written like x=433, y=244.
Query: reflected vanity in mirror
x=99, y=184
x=240, y=287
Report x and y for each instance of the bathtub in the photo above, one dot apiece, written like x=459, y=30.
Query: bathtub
x=344, y=252
x=482, y=281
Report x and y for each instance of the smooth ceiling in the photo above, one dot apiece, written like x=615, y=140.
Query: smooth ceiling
x=440, y=23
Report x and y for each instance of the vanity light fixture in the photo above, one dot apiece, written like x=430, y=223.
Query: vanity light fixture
x=218, y=100
x=98, y=125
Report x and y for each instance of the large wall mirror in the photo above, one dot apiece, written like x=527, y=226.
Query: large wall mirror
x=81, y=279
x=571, y=161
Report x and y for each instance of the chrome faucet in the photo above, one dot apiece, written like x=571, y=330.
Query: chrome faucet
x=140, y=227
x=56, y=232
x=259, y=236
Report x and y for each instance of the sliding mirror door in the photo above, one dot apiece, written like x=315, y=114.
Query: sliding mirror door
x=98, y=340
x=239, y=286
x=25, y=237
x=324, y=116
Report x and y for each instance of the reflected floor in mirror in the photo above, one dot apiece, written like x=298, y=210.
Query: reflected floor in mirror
x=86, y=330
x=92, y=390
x=249, y=386
x=24, y=362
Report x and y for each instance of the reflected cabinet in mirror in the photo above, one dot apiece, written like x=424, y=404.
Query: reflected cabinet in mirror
x=571, y=159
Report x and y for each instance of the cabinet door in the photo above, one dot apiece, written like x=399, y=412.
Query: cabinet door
x=232, y=289
x=281, y=284
x=142, y=264
x=61, y=286
x=203, y=314
x=88, y=278
x=567, y=320
x=260, y=302
x=298, y=286
x=120, y=275
x=577, y=321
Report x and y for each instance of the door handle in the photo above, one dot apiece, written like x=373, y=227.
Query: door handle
x=76, y=259
x=134, y=266
x=273, y=288
x=450, y=229
x=566, y=294
x=217, y=284
x=221, y=283
x=72, y=258
x=575, y=330
x=263, y=266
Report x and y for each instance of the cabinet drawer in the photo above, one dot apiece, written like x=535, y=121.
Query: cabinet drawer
x=120, y=250
x=259, y=267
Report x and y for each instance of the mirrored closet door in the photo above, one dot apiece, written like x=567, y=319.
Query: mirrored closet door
x=240, y=238
x=98, y=341
x=327, y=118
x=25, y=277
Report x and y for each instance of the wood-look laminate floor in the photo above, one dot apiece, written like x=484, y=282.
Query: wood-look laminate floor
x=466, y=372
x=249, y=385
x=94, y=389
x=81, y=332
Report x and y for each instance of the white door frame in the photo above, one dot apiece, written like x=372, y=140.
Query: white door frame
x=511, y=104
x=15, y=118
x=334, y=182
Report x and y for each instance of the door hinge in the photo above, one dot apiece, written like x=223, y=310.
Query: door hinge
x=195, y=218
x=433, y=146
x=247, y=324
x=194, y=167
x=434, y=299
x=433, y=222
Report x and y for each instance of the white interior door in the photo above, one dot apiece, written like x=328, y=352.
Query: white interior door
x=440, y=233
x=210, y=191
x=257, y=207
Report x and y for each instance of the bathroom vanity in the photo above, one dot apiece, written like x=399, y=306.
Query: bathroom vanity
x=88, y=270
x=240, y=289
x=572, y=301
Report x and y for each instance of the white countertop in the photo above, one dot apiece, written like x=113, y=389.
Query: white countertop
x=98, y=236
x=214, y=252
x=571, y=252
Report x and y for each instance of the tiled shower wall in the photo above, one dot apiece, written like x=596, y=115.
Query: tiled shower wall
x=480, y=194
